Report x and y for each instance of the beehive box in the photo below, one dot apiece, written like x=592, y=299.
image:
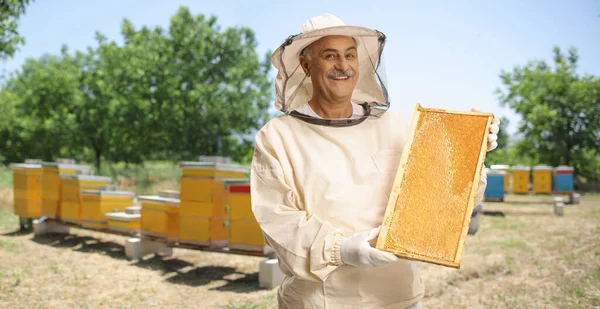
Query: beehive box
x=160, y=217
x=52, y=184
x=169, y=193
x=95, y=204
x=563, y=179
x=521, y=176
x=506, y=169
x=133, y=210
x=495, y=185
x=203, y=231
x=27, y=189
x=542, y=179
x=72, y=185
x=244, y=232
x=123, y=222
x=203, y=202
x=433, y=195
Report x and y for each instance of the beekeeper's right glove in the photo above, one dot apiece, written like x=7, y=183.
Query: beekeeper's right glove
x=356, y=251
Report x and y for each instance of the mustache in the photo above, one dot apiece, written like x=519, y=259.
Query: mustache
x=341, y=73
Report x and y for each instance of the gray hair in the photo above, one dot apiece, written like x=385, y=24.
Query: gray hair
x=306, y=52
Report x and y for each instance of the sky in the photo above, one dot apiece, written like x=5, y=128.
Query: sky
x=442, y=54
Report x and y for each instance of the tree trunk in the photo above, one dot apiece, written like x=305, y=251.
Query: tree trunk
x=98, y=160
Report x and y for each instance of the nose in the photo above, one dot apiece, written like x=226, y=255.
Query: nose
x=342, y=64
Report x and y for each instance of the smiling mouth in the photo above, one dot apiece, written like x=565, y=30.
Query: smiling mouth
x=340, y=77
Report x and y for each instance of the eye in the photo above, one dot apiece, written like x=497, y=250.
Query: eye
x=350, y=56
x=330, y=56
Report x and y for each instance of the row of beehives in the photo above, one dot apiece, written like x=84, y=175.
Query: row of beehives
x=212, y=207
x=544, y=180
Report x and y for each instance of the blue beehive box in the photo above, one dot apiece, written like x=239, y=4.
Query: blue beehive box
x=495, y=185
x=563, y=179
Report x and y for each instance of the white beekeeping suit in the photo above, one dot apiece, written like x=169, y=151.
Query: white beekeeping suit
x=320, y=186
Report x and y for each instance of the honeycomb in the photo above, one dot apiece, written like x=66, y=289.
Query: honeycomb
x=431, y=203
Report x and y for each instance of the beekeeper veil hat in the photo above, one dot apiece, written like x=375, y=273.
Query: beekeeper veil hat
x=294, y=89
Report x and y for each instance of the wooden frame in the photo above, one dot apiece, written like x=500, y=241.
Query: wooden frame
x=392, y=202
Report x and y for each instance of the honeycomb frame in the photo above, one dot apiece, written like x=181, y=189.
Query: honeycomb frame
x=453, y=255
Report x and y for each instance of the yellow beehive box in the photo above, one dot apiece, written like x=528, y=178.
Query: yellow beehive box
x=27, y=208
x=203, y=181
x=202, y=209
x=123, y=222
x=213, y=170
x=160, y=217
x=27, y=189
x=203, y=231
x=506, y=169
x=246, y=235
x=72, y=185
x=70, y=211
x=521, y=175
x=433, y=195
x=52, y=184
x=95, y=204
x=169, y=193
x=239, y=205
x=200, y=189
x=244, y=232
x=542, y=179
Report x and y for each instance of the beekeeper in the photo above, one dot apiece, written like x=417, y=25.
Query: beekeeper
x=322, y=172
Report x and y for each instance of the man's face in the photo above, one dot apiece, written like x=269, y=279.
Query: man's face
x=332, y=67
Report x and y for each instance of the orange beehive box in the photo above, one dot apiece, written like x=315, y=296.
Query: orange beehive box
x=429, y=209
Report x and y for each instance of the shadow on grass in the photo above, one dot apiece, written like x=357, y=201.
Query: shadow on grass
x=85, y=244
x=505, y=213
x=18, y=232
x=176, y=270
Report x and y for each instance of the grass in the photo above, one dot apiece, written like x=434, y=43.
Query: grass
x=501, y=224
x=6, y=177
x=517, y=261
x=509, y=243
x=9, y=246
x=7, y=219
x=265, y=302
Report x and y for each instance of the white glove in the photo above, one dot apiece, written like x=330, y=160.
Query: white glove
x=356, y=251
x=494, y=129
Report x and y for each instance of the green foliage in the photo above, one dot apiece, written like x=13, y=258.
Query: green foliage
x=10, y=12
x=166, y=94
x=560, y=111
x=498, y=155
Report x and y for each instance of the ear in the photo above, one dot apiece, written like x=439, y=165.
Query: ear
x=305, y=64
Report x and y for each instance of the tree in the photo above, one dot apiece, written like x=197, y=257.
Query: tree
x=10, y=12
x=191, y=90
x=38, y=103
x=560, y=112
x=203, y=85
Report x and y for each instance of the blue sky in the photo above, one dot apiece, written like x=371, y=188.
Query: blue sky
x=444, y=54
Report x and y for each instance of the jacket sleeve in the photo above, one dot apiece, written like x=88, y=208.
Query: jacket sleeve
x=305, y=245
